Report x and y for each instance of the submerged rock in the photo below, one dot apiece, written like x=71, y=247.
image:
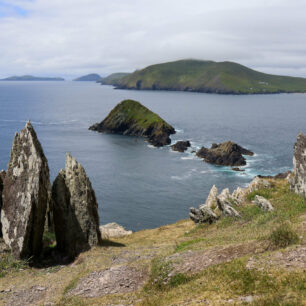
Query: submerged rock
x=131, y=118
x=75, y=210
x=113, y=230
x=225, y=154
x=181, y=146
x=298, y=178
x=263, y=203
x=2, y=177
x=25, y=195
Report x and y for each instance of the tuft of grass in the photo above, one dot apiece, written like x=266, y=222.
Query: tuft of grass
x=283, y=236
x=161, y=278
x=9, y=264
x=265, y=192
x=185, y=245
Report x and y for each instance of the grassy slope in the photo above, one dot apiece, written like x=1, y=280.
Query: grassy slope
x=209, y=76
x=273, y=285
x=131, y=111
x=113, y=79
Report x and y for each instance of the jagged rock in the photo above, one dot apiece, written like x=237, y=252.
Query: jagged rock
x=298, y=178
x=226, y=154
x=225, y=195
x=132, y=118
x=239, y=195
x=263, y=203
x=211, y=200
x=256, y=184
x=282, y=175
x=25, y=195
x=113, y=230
x=202, y=215
x=224, y=205
x=2, y=177
x=75, y=210
x=181, y=146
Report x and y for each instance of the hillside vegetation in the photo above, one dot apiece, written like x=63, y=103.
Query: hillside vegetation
x=258, y=259
x=113, y=79
x=210, y=77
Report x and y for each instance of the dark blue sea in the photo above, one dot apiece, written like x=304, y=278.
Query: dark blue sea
x=139, y=186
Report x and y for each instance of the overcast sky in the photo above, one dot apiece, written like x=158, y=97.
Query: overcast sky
x=74, y=37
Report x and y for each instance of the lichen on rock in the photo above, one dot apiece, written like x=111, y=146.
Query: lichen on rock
x=75, y=210
x=25, y=195
x=298, y=177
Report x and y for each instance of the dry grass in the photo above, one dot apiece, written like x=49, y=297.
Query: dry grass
x=215, y=284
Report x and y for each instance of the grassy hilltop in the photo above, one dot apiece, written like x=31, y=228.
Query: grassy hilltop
x=211, y=77
x=113, y=79
x=258, y=259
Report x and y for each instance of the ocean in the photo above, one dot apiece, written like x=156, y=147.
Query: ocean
x=137, y=185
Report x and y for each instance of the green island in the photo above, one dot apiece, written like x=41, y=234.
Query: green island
x=92, y=77
x=31, y=78
x=210, y=77
x=130, y=117
x=113, y=79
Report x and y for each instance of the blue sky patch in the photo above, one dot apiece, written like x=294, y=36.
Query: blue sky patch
x=10, y=10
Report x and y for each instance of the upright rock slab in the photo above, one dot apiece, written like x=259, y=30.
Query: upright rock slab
x=2, y=177
x=25, y=195
x=75, y=210
x=298, y=177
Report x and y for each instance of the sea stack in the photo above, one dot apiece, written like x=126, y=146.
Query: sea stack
x=225, y=154
x=298, y=176
x=75, y=210
x=25, y=195
x=132, y=118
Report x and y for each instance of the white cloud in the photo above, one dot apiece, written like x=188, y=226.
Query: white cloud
x=74, y=37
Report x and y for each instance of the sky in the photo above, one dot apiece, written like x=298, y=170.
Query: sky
x=70, y=38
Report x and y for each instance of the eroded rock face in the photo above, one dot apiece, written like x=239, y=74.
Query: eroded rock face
x=203, y=214
x=181, y=146
x=263, y=203
x=2, y=177
x=75, y=210
x=25, y=195
x=298, y=177
x=225, y=154
x=211, y=200
x=113, y=230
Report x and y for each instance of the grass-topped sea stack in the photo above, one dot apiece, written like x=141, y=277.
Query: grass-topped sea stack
x=132, y=118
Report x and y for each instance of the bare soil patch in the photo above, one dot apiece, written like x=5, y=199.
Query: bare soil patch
x=120, y=279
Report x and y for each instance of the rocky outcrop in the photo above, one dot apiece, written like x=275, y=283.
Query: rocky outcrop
x=131, y=118
x=225, y=154
x=298, y=177
x=225, y=204
x=2, y=177
x=113, y=230
x=203, y=214
x=263, y=203
x=181, y=146
x=75, y=210
x=25, y=195
x=211, y=200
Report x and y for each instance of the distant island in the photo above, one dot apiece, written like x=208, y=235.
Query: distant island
x=93, y=77
x=209, y=77
x=113, y=79
x=31, y=78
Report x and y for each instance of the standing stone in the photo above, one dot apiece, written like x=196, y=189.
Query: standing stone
x=211, y=200
x=75, y=210
x=25, y=195
x=298, y=177
x=2, y=177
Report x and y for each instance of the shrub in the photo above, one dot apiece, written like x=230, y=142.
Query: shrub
x=283, y=235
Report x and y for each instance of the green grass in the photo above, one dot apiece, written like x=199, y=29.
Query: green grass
x=9, y=264
x=113, y=79
x=283, y=236
x=209, y=76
